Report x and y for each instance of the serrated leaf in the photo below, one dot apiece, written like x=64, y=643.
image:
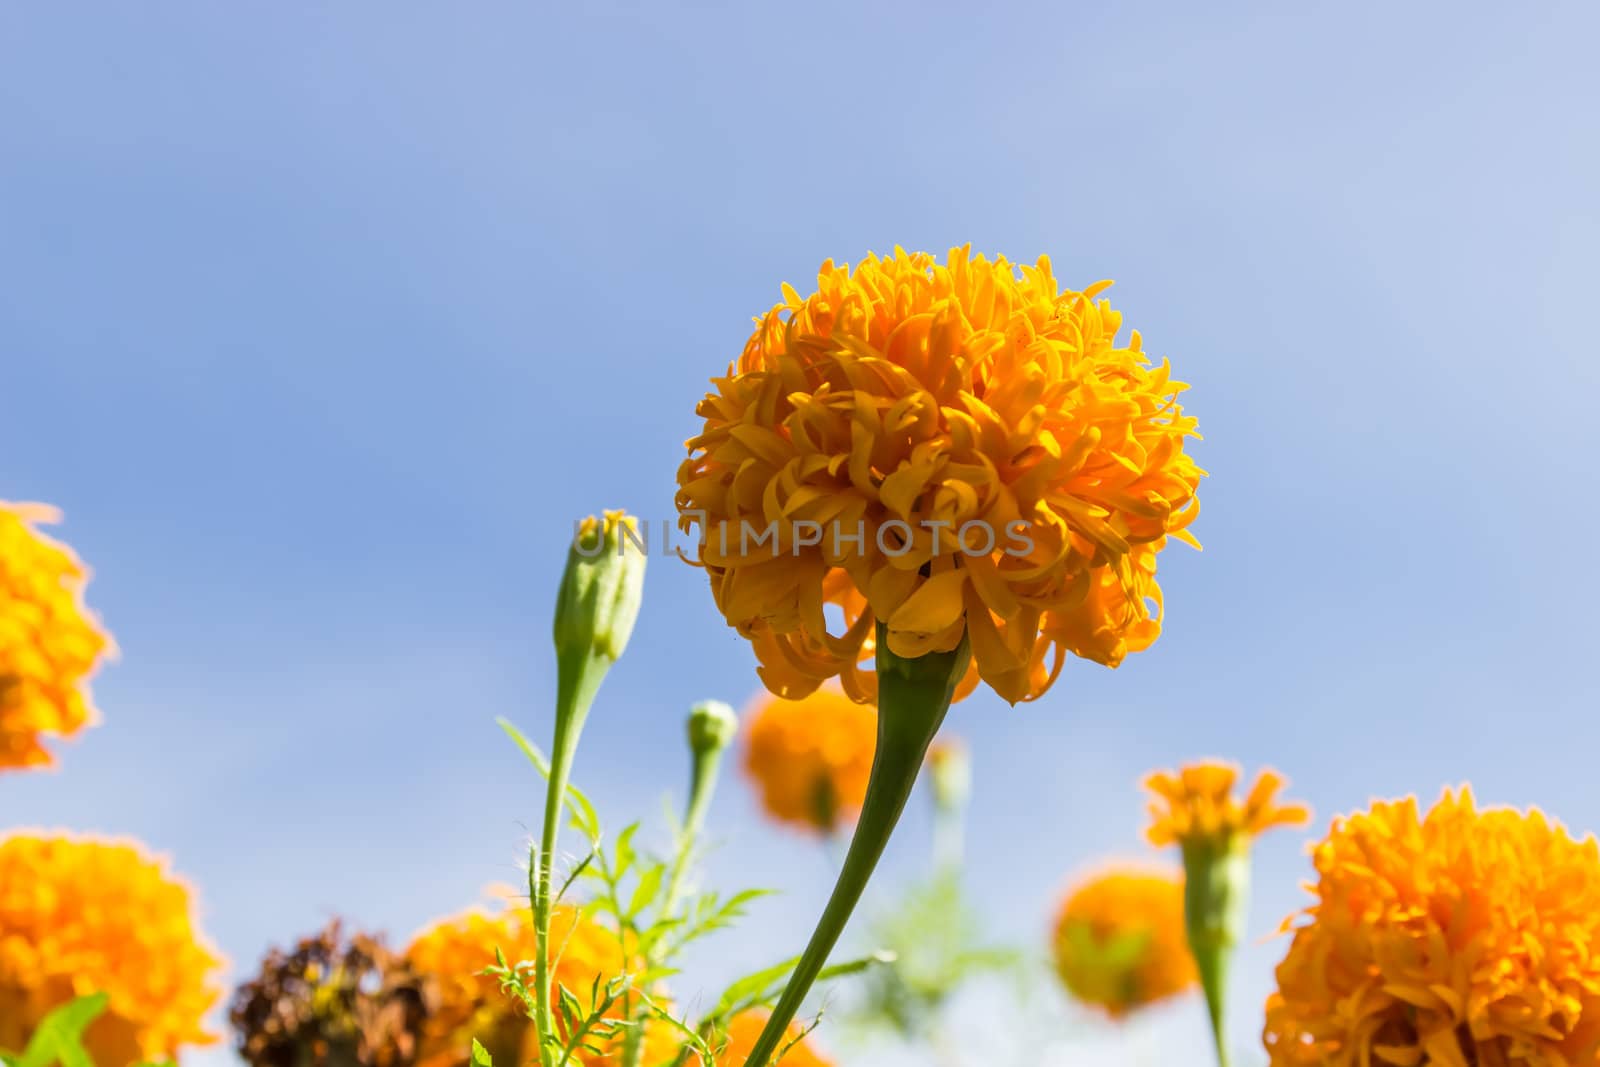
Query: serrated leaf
x=583, y=813
x=480, y=1055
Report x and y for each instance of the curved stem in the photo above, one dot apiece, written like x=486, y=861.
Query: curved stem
x=913, y=696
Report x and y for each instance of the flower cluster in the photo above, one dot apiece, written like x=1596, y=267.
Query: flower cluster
x=810, y=758
x=1461, y=937
x=80, y=916
x=49, y=642
x=1119, y=940
x=978, y=456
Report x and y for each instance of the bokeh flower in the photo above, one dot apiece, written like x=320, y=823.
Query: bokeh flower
x=1119, y=940
x=741, y=1038
x=1196, y=804
x=811, y=758
x=336, y=1000
x=949, y=449
x=1462, y=937
x=470, y=1004
x=79, y=916
x=49, y=642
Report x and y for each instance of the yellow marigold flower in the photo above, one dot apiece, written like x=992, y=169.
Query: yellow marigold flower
x=49, y=642
x=470, y=1004
x=81, y=916
x=1197, y=803
x=746, y=1027
x=1119, y=940
x=811, y=758
x=1463, y=937
x=945, y=449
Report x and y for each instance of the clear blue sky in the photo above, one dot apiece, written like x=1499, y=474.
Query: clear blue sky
x=322, y=323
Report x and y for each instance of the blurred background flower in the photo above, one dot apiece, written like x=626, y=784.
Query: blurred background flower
x=334, y=1001
x=809, y=759
x=1119, y=940
x=79, y=915
x=50, y=643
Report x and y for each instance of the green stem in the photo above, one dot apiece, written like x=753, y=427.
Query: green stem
x=578, y=679
x=1213, y=968
x=1216, y=901
x=702, y=783
x=913, y=696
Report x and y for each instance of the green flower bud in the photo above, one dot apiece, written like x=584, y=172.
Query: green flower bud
x=602, y=588
x=712, y=726
x=1216, y=904
x=950, y=773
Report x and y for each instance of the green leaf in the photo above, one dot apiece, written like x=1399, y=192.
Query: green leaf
x=583, y=813
x=645, y=892
x=480, y=1055
x=58, y=1038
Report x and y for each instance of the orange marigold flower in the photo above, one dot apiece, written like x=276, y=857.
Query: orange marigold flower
x=80, y=916
x=470, y=1004
x=1463, y=937
x=1119, y=940
x=1196, y=804
x=811, y=758
x=49, y=642
x=947, y=449
x=746, y=1027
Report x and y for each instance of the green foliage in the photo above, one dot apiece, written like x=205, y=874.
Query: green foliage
x=625, y=887
x=58, y=1039
x=935, y=941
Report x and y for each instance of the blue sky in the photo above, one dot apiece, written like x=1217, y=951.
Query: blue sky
x=323, y=322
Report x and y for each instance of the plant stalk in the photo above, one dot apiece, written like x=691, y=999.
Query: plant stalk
x=913, y=697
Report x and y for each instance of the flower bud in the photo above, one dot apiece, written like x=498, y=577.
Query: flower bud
x=712, y=726
x=602, y=587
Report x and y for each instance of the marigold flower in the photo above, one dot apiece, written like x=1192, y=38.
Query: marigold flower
x=811, y=758
x=1463, y=937
x=746, y=1027
x=49, y=642
x=1197, y=803
x=946, y=449
x=470, y=1004
x=1119, y=940
x=81, y=916
x=333, y=1000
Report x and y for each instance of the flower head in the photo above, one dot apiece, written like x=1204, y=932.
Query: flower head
x=746, y=1027
x=81, y=916
x=947, y=449
x=1461, y=937
x=811, y=758
x=49, y=642
x=1197, y=804
x=470, y=1004
x=334, y=999
x=1119, y=940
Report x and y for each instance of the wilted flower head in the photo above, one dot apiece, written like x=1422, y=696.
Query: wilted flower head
x=947, y=449
x=1463, y=937
x=811, y=758
x=1119, y=940
x=454, y=952
x=333, y=1000
x=741, y=1039
x=81, y=916
x=49, y=642
x=1196, y=805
